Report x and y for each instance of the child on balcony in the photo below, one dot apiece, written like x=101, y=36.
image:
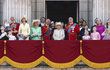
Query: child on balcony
x=86, y=35
x=82, y=31
x=11, y=36
x=94, y=34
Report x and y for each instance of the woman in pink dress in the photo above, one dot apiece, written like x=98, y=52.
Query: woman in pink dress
x=100, y=27
x=95, y=35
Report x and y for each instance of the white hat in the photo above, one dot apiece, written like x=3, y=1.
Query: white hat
x=37, y=20
x=58, y=23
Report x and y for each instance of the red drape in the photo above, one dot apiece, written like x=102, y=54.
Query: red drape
x=1, y=49
x=96, y=51
x=62, y=51
x=24, y=51
x=58, y=54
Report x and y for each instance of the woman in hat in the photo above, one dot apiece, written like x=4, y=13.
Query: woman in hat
x=24, y=29
x=59, y=33
x=35, y=33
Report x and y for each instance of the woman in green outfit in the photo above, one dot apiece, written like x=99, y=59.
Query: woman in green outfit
x=35, y=33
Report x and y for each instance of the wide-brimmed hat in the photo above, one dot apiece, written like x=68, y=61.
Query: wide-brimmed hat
x=37, y=20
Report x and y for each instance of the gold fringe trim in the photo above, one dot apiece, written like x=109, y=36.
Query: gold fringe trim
x=43, y=50
x=53, y=64
x=4, y=51
x=23, y=65
x=95, y=65
x=5, y=46
x=81, y=51
x=2, y=60
x=62, y=65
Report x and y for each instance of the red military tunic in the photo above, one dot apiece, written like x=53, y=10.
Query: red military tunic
x=46, y=32
x=73, y=31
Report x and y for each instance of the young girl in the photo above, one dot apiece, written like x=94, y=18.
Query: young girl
x=11, y=36
x=82, y=31
x=59, y=33
x=94, y=34
x=86, y=35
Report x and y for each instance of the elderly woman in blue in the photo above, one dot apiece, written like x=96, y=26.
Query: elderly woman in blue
x=35, y=33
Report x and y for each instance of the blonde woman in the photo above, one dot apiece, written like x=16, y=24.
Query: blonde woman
x=35, y=30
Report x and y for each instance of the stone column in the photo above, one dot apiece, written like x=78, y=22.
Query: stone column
x=1, y=11
x=90, y=13
x=86, y=11
x=34, y=9
x=40, y=8
x=101, y=10
x=83, y=9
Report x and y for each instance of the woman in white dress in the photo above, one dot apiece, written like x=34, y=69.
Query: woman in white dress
x=59, y=33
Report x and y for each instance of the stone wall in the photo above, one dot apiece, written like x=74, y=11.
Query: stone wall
x=1, y=11
x=88, y=9
x=85, y=9
x=101, y=9
x=38, y=9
